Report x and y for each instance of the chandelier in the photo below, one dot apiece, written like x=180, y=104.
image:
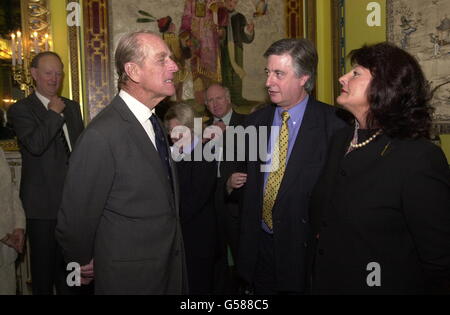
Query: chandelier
x=28, y=42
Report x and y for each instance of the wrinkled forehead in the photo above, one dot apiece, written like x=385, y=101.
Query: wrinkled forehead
x=154, y=45
x=49, y=63
x=215, y=90
x=275, y=62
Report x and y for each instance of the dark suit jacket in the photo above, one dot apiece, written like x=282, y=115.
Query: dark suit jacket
x=389, y=203
x=198, y=220
x=44, y=158
x=119, y=208
x=228, y=210
x=290, y=212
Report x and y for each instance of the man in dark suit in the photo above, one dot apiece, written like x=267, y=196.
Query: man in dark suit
x=218, y=103
x=47, y=127
x=274, y=222
x=119, y=216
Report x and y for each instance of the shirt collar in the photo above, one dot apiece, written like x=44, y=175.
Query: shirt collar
x=296, y=112
x=139, y=110
x=226, y=118
x=43, y=99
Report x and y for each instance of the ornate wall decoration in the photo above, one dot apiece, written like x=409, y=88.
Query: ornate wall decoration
x=294, y=18
x=339, y=52
x=423, y=29
x=97, y=57
x=75, y=62
x=270, y=25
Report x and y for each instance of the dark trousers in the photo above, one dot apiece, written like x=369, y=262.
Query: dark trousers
x=200, y=275
x=226, y=278
x=265, y=280
x=47, y=264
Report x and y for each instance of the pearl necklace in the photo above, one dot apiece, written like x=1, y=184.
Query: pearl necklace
x=364, y=143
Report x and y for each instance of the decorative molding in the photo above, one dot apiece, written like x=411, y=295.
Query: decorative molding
x=9, y=145
x=74, y=59
x=294, y=18
x=311, y=20
x=97, y=57
x=339, y=52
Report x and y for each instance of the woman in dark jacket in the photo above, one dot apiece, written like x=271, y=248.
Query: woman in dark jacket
x=381, y=210
x=197, y=178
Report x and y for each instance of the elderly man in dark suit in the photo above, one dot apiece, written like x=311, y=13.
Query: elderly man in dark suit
x=47, y=127
x=119, y=216
x=274, y=221
x=218, y=103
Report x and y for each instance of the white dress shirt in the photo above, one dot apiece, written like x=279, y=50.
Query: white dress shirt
x=45, y=101
x=219, y=149
x=226, y=118
x=141, y=112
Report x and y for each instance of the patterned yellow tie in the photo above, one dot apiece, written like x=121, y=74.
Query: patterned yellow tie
x=277, y=171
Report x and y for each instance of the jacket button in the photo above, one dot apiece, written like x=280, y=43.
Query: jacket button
x=303, y=221
x=305, y=244
x=343, y=173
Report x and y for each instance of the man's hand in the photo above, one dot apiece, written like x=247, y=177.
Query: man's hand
x=221, y=125
x=56, y=104
x=87, y=273
x=235, y=181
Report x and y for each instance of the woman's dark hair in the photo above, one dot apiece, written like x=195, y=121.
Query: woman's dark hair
x=398, y=93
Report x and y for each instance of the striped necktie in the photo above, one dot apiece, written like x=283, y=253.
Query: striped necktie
x=161, y=146
x=278, y=167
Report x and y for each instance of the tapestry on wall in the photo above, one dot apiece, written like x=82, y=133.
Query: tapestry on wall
x=212, y=41
x=423, y=28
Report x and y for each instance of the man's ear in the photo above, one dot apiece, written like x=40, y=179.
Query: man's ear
x=33, y=73
x=132, y=70
x=304, y=79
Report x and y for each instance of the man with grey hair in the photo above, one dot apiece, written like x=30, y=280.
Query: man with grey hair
x=218, y=103
x=119, y=216
x=274, y=216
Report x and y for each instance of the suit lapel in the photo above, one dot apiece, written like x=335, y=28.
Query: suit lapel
x=37, y=107
x=143, y=142
x=305, y=141
x=233, y=119
x=41, y=112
